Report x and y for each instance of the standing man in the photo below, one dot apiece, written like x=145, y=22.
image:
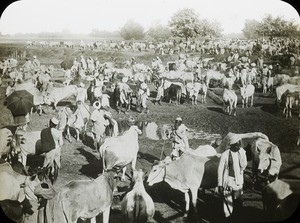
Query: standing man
x=100, y=119
x=64, y=118
x=52, y=141
x=231, y=168
x=160, y=91
x=81, y=93
x=143, y=94
x=36, y=62
x=180, y=142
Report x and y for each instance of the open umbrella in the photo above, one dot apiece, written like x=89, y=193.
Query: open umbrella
x=20, y=102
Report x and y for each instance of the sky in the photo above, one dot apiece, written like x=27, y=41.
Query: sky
x=81, y=16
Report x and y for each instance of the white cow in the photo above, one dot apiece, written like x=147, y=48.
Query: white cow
x=294, y=80
x=79, y=120
x=288, y=100
x=194, y=89
x=228, y=82
x=27, y=143
x=247, y=91
x=204, y=151
x=230, y=101
x=213, y=75
x=80, y=199
x=59, y=93
x=118, y=151
x=281, y=89
x=137, y=205
x=6, y=137
x=280, y=79
x=38, y=100
x=266, y=157
x=16, y=187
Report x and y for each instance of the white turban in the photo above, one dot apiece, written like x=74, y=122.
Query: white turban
x=233, y=138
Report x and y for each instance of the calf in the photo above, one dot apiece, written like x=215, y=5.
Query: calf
x=230, y=101
x=137, y=205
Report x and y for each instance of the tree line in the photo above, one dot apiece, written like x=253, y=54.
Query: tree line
x=186, y=24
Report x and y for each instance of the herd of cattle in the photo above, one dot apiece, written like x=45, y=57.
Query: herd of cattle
x=185, y=77
x=172, y=46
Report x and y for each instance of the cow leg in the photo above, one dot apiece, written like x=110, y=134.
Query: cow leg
x=194, y=193
x=22, y=157
x=290, y=108
x=187, y=204
x=251, y=105
x=93, y=220
x=284, y=109
x=77, y=134
x=123, y=174
x=234, y=111
x=68, y=134
x=243, y=103
x=106, y=213
x=40, y=110
x=133, y=163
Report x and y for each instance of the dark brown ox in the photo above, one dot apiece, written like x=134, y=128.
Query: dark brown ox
x=174, y=93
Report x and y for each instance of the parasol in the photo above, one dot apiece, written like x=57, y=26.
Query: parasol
x=20, y=102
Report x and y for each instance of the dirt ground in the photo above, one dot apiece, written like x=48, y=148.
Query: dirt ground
x=80, y=160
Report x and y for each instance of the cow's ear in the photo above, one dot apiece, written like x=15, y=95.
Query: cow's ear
x=269, y=149
x=23, y=140
x=33, y=177
x=156, y=162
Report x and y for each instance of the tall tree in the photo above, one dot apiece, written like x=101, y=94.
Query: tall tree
x=159, y=31
x=277, y=26
x=132, y=30
x=185, y=24
x=250, y=29
x=210, y=28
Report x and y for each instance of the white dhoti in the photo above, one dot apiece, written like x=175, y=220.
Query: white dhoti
x=123, y=98
x=144, y=100
x=160, y=93
x=230, y=186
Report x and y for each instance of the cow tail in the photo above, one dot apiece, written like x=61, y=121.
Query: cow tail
x=56, y=168
x=139, y=210
x=103, y=162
